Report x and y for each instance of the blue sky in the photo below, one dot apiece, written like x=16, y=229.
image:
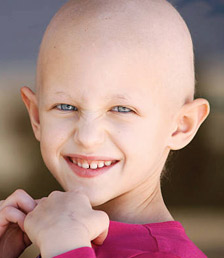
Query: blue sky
x=23, y=22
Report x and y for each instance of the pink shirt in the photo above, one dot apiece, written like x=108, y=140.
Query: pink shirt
x=156, y=240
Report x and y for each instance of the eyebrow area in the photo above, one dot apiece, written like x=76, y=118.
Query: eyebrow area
x=113, y=97
x=125, y=99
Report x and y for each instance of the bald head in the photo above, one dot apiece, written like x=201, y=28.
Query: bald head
x=150, y=31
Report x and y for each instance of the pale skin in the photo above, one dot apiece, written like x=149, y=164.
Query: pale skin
x=87, y=73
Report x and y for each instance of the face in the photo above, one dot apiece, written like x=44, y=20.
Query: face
x=110, y=97
x=106, y=106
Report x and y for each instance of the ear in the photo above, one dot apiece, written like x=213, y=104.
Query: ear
x=30, y=100
x=190, y=118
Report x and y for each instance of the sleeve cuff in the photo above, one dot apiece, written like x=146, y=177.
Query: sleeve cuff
x=86, y=252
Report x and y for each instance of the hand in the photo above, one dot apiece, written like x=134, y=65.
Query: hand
x=65, y=221
x=13, y=210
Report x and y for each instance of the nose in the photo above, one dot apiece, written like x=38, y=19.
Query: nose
x=89, y=133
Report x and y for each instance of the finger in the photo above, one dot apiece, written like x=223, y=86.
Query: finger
x=102, y=223
x=11, y=215
x=21, y=200
x=101, y=238
x=38, y=200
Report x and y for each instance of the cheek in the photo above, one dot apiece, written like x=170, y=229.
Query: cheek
x=54, y=133
x=143, y=143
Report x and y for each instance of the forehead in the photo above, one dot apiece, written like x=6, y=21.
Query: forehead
x=95, y=51
x=91, y=69
x=101, y=41
x=95, y=72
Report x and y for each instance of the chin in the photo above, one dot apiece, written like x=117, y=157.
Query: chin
x=96, y=198
x=95, y=202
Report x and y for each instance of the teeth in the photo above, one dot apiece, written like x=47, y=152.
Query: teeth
x=100, y=164
x=92, y=165
x=108, y=163
x=85, y=165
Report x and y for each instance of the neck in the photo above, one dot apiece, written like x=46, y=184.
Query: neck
x=146, y=206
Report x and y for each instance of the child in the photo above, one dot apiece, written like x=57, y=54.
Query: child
x=114, y=94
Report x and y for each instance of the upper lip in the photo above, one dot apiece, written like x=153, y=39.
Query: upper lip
x=99, y=158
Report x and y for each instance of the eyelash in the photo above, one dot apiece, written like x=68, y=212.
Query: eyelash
x=66, y=107
x=63, y=107
x=123, y=108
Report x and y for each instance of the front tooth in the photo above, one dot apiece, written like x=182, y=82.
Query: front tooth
x=100, y=164
x=85, y=165
x=108, y=163
x=79, y=164
x=93, y=165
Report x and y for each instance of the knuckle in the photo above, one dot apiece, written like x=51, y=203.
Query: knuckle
x=6, y=210
x=77, y=195
x=54, y=194
x=42, y=200
x=103, y=216
x=19, y=193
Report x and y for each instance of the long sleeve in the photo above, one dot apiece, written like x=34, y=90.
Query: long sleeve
x=86, y=252
x=154, y=240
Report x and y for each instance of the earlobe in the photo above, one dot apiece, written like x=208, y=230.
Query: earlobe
x=30, y=101
x=190, y=118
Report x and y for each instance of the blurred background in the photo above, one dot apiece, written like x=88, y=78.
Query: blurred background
x=193, y=186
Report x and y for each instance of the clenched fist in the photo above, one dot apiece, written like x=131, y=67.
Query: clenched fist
x=65, y=221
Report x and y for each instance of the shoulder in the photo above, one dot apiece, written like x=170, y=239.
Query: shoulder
x=155, y=255
x=171, y=239
x=157, y=240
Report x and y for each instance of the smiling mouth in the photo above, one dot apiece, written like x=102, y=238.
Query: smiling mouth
x=91, y=164
x=89, y=168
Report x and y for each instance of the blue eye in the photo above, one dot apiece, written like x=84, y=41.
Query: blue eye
x=122, y=109
x=66, y=107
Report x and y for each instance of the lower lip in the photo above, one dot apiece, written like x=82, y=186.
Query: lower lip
x=88, y=173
